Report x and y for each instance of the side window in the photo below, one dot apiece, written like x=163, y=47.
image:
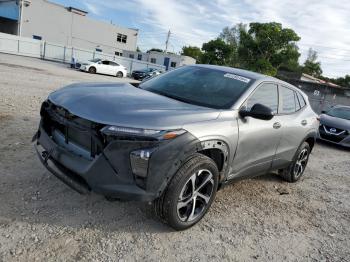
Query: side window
x=288, y=100
x=267, y=95
x=105, y=62
x=301, y=100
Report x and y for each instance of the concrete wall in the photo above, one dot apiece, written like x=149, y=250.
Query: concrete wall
x=159, y=58
x=55, y=23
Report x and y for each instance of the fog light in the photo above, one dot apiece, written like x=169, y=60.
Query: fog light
x=139, y=161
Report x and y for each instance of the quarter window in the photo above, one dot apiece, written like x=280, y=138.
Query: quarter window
x=301, y=100
x=267, y=95
x=288, y=100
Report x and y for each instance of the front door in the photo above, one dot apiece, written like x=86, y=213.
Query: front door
x=258, y=139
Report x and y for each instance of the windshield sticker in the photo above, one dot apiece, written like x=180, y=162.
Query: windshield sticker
x=237, y=77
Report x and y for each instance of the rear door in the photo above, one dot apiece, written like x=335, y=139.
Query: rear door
x=258, y=139
x=295, y=124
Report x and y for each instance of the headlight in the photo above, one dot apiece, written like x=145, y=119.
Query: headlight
x=157, y=134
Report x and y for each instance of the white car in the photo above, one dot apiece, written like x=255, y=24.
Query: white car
x=104, y=67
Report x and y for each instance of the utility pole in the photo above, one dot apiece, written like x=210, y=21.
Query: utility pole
x=167, y=41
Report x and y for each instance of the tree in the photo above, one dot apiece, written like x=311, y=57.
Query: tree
x=155, y=49
x=138, y=49
x=311, y=66
x=231, y=36
x=266, y=47
x=216, y=52
x=192, y=51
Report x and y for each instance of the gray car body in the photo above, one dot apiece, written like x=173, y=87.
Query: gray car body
x=341, y=125
x=249, y=146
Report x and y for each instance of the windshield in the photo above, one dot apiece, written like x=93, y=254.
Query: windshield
x=95, y=60
x=199, y=86
x=340, y=112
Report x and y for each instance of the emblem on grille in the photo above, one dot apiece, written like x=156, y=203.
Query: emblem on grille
x=333, y=130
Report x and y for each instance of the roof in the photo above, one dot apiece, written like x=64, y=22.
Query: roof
x=241, y=72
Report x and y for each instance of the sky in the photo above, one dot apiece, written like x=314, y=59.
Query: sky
x=323, y=25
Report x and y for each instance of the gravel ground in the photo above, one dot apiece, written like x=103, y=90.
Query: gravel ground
x=259, y=219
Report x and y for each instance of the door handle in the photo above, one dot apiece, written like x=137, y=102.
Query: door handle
x=276, y=125
x=304, y=122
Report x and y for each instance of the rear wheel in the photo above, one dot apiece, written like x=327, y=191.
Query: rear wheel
x=92, y=70
x=119, y=74
x=189, y=194
x=297, y=167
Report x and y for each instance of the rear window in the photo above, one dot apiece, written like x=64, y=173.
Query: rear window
x=200, y=86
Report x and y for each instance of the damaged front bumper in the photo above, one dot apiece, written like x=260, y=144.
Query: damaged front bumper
x=110, y=172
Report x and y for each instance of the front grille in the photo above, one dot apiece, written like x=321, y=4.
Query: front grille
x=76, y=130
x=332, y=134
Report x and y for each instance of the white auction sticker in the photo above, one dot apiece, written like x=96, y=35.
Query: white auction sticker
x=237, y=77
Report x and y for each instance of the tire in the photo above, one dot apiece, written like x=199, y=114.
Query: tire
x=119, y=74
x=296, y=169
x=175, y=206
x=92, y=70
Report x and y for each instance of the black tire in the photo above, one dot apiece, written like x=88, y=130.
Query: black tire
x=200, y=171
x=296, y=169
x=119, y=74
x=92, y=70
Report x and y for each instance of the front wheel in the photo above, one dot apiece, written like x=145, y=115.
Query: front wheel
x=119, y=74
x=189, y=194
x=296, y=169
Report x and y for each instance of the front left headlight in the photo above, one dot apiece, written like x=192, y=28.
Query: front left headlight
x=140, y=132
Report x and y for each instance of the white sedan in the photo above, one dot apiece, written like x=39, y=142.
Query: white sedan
x=104, y=67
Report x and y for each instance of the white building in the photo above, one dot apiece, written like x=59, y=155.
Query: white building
x=69, y=26
x=168, y=60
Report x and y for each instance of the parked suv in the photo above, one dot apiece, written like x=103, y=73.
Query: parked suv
x=177, y=138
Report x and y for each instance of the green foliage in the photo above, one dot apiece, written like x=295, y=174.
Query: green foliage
x=311, y=66
x=138, y=49
x=231, y=36
x=266, y=47
x=342, y=81
x=192, y=51
x=217, y=52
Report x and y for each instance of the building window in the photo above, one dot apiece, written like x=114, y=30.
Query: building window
x=131, y=56
x=37, y=37
x=98, y=50
x=118, y=53
x=173, y=64
x=153, y=60
x=139, y=57
x=121, y=38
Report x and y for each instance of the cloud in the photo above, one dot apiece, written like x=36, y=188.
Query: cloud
x=322, y=24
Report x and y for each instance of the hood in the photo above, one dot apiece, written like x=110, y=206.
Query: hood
x=125, y=105
x=335, y=122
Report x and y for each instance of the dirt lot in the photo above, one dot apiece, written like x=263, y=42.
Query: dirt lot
x=254, y=220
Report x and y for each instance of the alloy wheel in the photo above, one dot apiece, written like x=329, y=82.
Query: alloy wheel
x=300, y=163
x=195, y=195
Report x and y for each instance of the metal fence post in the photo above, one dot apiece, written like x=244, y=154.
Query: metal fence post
x=18, y=46
x=44, y=51
x=64, y=54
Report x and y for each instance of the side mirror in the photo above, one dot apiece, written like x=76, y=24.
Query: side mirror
x=258, y=111
x=323, y=111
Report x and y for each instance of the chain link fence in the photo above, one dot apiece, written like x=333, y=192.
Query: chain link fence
x=49, y=51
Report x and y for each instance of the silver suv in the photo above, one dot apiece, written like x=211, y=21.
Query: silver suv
x=177, y=138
